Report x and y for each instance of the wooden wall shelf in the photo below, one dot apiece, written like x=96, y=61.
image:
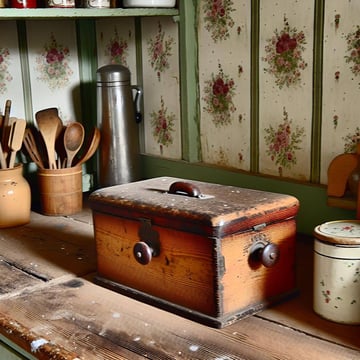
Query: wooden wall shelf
x=71, y=13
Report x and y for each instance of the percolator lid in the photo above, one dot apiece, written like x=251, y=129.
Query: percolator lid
x=113, y=73
x=346, y=232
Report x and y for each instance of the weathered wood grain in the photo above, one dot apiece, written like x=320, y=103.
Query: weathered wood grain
x=49, y=247
x=74, y=318
x=96, y=323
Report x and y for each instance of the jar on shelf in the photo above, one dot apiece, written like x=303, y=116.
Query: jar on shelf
x=23, y=4
x=97, y=3
x=61, y=3
x=15, y=197
x=337, y=271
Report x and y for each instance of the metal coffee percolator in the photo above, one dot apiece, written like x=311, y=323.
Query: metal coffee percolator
x=118, y=115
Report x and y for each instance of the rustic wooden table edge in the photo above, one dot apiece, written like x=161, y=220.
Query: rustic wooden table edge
x=50, y=307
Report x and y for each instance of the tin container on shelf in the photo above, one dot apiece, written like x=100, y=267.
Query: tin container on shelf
x=149, y=3
x=337, y=271
x=97, y=4
x=23, y=4
x=209, y=252
x=61, y=3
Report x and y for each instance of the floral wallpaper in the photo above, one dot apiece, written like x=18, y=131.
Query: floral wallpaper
x=54, y=67
x=285, y=88
x=283, y=142
x=163, y=125
x=117, y=49
x=116, y=44
x=52, y=64
x=162, y=120
x=218, y=18
x=5, y=76
x=224, y=81
x=280, y=140
x=218, y=97
x=285, y=104
x=284, y=55
x=11, y=84
x=353, y=50
x=159, y=51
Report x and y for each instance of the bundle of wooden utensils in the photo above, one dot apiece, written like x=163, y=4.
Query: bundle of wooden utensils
x=53, y=145
x=12, y=132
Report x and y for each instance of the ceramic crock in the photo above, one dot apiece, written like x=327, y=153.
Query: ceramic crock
x=337, y=271
x=15, y=197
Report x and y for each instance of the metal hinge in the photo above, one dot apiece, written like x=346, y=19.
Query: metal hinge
x=259, y=227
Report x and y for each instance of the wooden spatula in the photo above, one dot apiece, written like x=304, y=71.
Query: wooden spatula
x=17, y=131
x=2, y=158
x=50, y=126
x=5, y=128
x=32, y=148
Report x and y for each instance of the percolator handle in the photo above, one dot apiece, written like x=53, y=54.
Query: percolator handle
x=138, y=115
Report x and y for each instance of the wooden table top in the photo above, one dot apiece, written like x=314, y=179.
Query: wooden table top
x=51, y=308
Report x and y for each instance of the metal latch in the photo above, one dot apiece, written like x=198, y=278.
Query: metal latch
x=149, y=244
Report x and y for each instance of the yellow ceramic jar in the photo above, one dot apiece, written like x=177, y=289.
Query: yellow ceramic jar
x=15, y=197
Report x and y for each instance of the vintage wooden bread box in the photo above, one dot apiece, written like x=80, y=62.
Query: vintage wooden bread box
x=209, y=252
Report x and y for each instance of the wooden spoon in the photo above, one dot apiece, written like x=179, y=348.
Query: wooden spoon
x=17, y=130
x=91, y=146
x=2, y=158
x=6, y=127
x=49, y=126
x=32, y=148
x=73, y=140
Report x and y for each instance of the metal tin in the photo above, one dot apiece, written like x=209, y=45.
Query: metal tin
x=61, y=3
x=97, y=3
x=337, y=271
x=149, y=3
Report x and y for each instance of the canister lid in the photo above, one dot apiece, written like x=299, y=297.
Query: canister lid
x=346, y=232
x=113, y=73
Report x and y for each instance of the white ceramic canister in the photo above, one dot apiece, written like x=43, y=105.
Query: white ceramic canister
x=149, y=3
x=61, y=3
x=97, y=3
x=337, y=271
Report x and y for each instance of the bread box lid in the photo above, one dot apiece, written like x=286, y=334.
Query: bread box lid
x=194, y=206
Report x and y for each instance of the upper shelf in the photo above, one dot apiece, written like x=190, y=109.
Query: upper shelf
x=66, y=13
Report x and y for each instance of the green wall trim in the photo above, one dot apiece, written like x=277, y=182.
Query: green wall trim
x=25, y=72
x=86, y=40
x=139, y=77
x=313, y=208
x=254, y=87
x=189, y=87
x=317, y=91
